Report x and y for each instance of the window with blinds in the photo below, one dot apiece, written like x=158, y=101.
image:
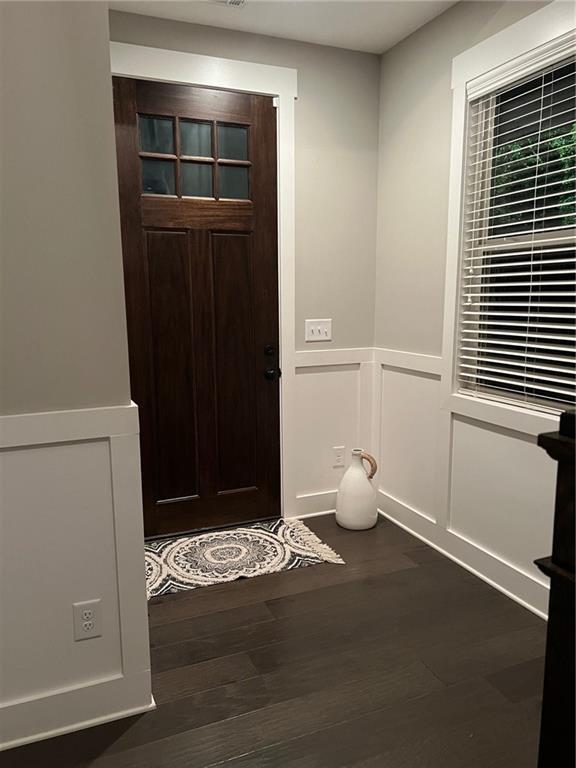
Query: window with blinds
x=516, y=338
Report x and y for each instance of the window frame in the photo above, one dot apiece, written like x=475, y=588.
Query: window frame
x=486, y=239
x=527, y=47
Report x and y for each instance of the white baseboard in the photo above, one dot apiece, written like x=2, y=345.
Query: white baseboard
x=311, y=514
x=74, y=710
x=521, y=587
x=314, y=504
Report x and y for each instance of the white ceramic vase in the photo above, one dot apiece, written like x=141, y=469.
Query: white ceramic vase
x=356, y=501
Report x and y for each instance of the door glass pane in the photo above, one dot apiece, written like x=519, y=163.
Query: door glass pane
x=158, y=177
x=232, y=142
x=156, y=134
x=195, y=139
x=234, y=182
x=196, y=179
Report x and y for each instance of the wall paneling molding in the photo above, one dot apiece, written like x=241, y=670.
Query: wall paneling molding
x=466, y=477
x=72, y=478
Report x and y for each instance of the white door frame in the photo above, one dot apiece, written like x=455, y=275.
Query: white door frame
x=161, y=65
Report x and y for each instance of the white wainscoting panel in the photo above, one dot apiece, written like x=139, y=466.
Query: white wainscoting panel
x=410, y=406
x=58, y=549
x=502, y=495
x=476, y=490
x=336, y=395
x=327, y=415
x=71, y=530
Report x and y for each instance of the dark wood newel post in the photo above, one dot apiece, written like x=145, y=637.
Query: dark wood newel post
x=557, y=726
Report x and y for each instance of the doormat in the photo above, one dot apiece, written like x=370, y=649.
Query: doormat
x=188, y=562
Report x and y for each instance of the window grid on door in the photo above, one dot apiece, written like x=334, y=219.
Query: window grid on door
x=189, y=158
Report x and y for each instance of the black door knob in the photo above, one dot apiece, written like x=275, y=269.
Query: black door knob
x=272, y=374
x=269, y=349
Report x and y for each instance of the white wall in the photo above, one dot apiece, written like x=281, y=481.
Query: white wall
x=414, y=167
x=62, y=328
x=461, y=475
x=70, y=504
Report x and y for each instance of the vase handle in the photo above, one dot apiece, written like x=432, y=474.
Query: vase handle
x=372, y=461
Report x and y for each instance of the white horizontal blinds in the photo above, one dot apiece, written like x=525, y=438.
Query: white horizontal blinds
x=517, y=334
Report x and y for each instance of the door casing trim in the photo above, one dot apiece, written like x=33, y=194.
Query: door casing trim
x=161, y=65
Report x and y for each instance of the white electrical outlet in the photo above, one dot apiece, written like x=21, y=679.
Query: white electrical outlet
x=87, y=619
x=318, y=330
x=338, y=453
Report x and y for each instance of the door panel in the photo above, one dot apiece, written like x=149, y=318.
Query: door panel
x=235, y=361
x=175, y=428
x=201, y=296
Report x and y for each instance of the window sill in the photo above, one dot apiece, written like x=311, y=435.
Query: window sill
x=528, y=421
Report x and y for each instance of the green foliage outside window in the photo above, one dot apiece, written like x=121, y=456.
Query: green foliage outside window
x=515, y=169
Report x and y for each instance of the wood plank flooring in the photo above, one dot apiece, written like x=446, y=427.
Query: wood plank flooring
x=399, y=659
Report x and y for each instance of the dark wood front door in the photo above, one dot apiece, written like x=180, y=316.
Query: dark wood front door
x=197, y=177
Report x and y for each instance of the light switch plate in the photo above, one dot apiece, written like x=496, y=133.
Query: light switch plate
x=318, y=330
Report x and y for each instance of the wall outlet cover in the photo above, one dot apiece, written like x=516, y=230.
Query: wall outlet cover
x=87, y=619
x=338, y=455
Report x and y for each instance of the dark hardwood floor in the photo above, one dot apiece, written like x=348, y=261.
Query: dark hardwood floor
x=399, y=659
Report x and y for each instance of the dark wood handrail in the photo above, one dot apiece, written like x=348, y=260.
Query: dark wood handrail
x=558, y=710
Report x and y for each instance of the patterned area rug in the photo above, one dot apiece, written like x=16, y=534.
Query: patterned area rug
x=188, y=562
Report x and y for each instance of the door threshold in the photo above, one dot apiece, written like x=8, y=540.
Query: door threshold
x=209, y=529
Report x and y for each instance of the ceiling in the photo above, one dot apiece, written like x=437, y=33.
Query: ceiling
x=355, y=24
